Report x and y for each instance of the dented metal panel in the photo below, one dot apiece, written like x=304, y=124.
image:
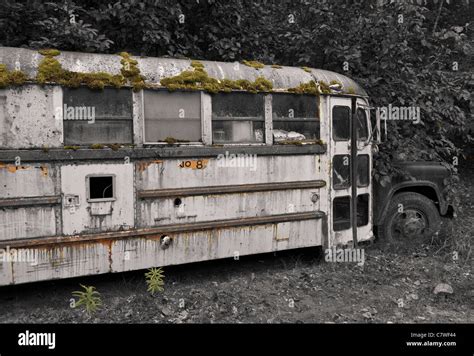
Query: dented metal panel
x=27, y=117
x=156, y=212
x=80, y=215
x=27, y=180
x=27, y=222
x=259, y=169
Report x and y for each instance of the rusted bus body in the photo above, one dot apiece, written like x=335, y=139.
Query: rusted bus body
x=166, y=204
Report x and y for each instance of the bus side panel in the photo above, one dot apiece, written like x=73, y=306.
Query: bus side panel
x=134, y=254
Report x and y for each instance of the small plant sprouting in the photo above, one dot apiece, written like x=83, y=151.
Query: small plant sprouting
x=154, y=280
x=89, y=298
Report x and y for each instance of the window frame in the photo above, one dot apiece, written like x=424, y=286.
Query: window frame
x=100, y=200
x=367, y=126
x=129, y=121
x=230, y=119
x=164, y=143
x=316, y=119
x=348, y=124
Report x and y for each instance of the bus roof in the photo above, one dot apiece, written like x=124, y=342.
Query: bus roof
x=154, y=69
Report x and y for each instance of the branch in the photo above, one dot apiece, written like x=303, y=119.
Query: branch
x=437, y=16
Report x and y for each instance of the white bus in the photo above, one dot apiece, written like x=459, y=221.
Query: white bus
x=98, y=181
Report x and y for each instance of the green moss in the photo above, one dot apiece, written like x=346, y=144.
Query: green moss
x=131, y=72
x=74, y=148
x=8, y=78
x=170, y=140
x=253, y=64
x=114, y=146
x=333, y=82
x=97, y=146
x=197, y=65
x=198, y=79
x=276, y=66
x=49, y=52
x=262, y=84
x=50, y=70
x=324, y=87
x=310, y=87
x=306, y=69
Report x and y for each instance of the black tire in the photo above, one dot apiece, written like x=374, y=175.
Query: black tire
x=416, y=217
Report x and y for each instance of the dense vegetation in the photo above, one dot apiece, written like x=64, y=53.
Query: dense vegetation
x=405, y=53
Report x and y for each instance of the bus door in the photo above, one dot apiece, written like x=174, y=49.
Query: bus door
x=350, y=170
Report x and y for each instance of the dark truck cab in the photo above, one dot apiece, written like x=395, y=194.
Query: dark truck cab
x=410, y=208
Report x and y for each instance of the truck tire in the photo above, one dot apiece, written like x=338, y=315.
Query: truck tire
x=409, y=216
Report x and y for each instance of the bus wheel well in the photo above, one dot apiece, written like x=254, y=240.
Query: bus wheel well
x=427, y=191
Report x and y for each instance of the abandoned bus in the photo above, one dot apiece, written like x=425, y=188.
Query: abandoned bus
x=113, y=163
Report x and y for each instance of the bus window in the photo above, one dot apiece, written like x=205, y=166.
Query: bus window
x=362, y=129
x=341, y=178
x=362, y=170
x=340, y=123
x=174, y=115
x=238, y=118
x=91, y=116
x=362, y=209
x=341, y=213
x=295, y=117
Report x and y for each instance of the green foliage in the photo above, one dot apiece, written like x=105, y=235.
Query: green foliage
x=88, y=298
x=306, y=69
x=154, y=280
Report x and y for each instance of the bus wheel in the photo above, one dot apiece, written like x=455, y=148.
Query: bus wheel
x=410, y=216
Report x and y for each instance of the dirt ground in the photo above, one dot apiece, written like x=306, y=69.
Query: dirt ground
x=394, y=285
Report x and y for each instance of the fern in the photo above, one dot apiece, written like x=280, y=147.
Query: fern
x=154, y=280
x=89, y=298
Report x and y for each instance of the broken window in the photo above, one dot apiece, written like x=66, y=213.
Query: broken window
x=295, y=118
x=362, y=129
x=172, y=117
x=91, y=116
x=341, y=177
x=100, y=188
x=238, y=118
x=340, y=123
x=363, y=170
x=362, y=209
x=341, y=213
